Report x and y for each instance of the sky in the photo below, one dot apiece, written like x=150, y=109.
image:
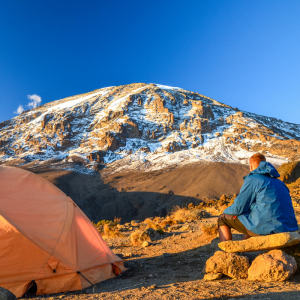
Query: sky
x=242, y=53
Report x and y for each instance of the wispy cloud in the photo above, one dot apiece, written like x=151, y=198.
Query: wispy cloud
x=19, y=110
x=35, y=100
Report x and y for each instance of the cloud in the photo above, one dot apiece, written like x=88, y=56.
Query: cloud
x=35, y=100
x=19, y=110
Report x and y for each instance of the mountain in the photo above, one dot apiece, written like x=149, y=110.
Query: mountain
x=138, y=150
x=143, y=127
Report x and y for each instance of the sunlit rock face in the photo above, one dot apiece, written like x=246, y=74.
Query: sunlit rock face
x=143, y=127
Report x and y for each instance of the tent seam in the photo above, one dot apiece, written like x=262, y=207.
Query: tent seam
x=57, y=242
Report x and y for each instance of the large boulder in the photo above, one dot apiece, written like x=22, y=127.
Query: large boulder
x=272, y=266
x=258, y=243
x=230, y=264
x=6, y=295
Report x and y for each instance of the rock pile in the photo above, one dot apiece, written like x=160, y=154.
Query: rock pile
x=275, y=265
x=272, y=266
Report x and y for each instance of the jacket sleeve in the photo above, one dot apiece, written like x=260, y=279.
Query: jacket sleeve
x=244, y=200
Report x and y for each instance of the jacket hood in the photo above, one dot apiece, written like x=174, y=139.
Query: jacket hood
x=265, y=168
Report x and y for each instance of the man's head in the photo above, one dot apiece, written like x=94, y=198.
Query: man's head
x=255, y=160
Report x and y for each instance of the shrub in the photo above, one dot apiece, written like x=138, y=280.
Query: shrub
x=151, y=224
x=134, y=237
x=179, y=213
x=108, y=232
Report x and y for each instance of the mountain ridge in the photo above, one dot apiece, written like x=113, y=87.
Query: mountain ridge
x=143, y=127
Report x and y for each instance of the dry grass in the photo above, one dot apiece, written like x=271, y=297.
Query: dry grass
x=179, y=213
x=135, y=238
x=168, y=221
x=209, y=230
x=151, y=224
x=108, y=232
x=214, y=211
x=182, y=214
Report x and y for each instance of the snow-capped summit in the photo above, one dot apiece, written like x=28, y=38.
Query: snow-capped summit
x=143, y=127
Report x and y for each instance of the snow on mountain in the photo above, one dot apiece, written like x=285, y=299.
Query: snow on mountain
x=142, y=127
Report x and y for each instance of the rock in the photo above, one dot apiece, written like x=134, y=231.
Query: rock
x=197, y=214
x=268, y=242
x=272, y=266
x=230, y=264
x=212, y=276
x=149, y=234
x=175, y=227
x=191, y=206
x=135, y=223
x=145, y=244
x=120, y=227
x=6, y=294
x=186, y=228
x=128, y=255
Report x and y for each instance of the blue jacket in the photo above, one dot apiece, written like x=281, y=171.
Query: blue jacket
x=264, y=204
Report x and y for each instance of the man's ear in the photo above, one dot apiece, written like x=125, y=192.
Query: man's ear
x=251, y=167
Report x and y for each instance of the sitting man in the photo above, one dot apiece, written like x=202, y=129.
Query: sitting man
x=263, y=207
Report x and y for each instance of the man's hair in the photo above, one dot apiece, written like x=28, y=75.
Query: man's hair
x=256, y=158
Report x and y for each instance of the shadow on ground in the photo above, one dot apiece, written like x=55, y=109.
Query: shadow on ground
x=138, y=195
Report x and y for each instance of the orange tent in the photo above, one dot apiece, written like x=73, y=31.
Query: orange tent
x=45, y=237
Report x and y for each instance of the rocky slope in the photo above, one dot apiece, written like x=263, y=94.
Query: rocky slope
x=143, y=127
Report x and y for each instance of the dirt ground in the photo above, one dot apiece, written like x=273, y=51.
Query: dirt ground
x=171, y=269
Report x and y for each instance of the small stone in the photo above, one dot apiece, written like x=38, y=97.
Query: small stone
x=272, y=266
x=127, y=255
x=230, y=264
x=153, y=286
x=257, y=243
x=186, y=228
x=150, y=275
x=212, y=276
x=145, y=244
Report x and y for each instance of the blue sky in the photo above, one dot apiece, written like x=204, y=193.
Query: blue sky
x=243, y=53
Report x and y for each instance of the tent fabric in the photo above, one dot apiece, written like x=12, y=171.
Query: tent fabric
x=44, y=236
